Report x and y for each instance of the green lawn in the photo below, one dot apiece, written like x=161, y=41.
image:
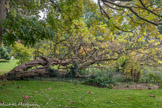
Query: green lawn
x=50, y=94
x=6, y=66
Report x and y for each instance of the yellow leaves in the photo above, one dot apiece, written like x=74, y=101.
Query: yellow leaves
x=84, y=50
x=144, y=33
x=133, y=53
x=151, y=41
x=22, y=53
x=116, y=54
x=104, y=51
x=120, y=19
x=159, y=61
x=108, y=36
x=106, y=45
x=96, y=47
x=100, y=38
x=123, y=48
x=157, y=43
x=140, y=39
x=160, y=37
x=141, y=50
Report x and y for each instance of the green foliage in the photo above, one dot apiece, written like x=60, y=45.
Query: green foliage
x=130, y=67
x=22, y=21
x=101, y=82
x=75, y=28
x=21, y=53
x=151, y=78
x=52, y=72
x=160, y=29
x=4, y=53
x=27, y=29
x=151, y=75
x=121, y=63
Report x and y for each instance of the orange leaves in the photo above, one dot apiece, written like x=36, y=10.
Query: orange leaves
x=84, y=50
x=9, y=31
x=27, y=97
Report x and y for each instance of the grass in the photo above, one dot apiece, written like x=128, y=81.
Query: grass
x=50, y=94
x=6, y=66
x=53, y=94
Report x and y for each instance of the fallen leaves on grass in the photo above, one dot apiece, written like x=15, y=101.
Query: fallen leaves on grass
x=4, y=84
x=49, y=88
x=27, y=97
x=149, y=88
x=151, y=95
x=36, y=91
x=2, y=102
x=89, y=92
x=71, y=102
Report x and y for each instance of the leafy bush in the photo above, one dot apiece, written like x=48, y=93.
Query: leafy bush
x=101, y=82
x=119, y=77
x=99, y=72
x=22, y=53
x=4, y=53
x=151, y=77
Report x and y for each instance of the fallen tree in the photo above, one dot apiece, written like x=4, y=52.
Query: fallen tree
x=41, y=68
x=33, y=68
x=65, y=58
x=66, y=67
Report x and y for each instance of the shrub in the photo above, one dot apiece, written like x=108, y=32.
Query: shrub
x=22, y=53
x=151, y=77
x=101, y=82
x=4, y=53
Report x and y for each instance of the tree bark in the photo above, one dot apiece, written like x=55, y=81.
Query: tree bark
x=41, y=68
x=3, y=12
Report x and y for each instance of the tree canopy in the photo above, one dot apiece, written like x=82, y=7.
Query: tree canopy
x=74, y=33
x=122, y=15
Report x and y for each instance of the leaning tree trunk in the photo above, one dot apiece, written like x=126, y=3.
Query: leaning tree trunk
x=2, y=16
x=34, y=68
x=40, y=68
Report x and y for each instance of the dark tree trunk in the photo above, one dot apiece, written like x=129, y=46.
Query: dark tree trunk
x=41, y=68
x=3, y=11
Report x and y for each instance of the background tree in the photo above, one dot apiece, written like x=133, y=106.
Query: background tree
x=2, y=16
x=69, y=38
x=11, y=9
x=4, y=53
x=151, y=10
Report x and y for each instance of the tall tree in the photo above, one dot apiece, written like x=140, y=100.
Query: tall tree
x=134, y=7
x=3, y=12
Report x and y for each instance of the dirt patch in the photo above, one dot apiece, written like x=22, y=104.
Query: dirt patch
x=136, y=86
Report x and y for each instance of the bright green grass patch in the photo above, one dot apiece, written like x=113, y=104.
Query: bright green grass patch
x=50, y=94
x=6, y=66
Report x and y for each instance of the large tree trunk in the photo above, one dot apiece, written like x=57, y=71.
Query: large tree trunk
x=3, y=11
x=40, y=68
x=34, y=68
